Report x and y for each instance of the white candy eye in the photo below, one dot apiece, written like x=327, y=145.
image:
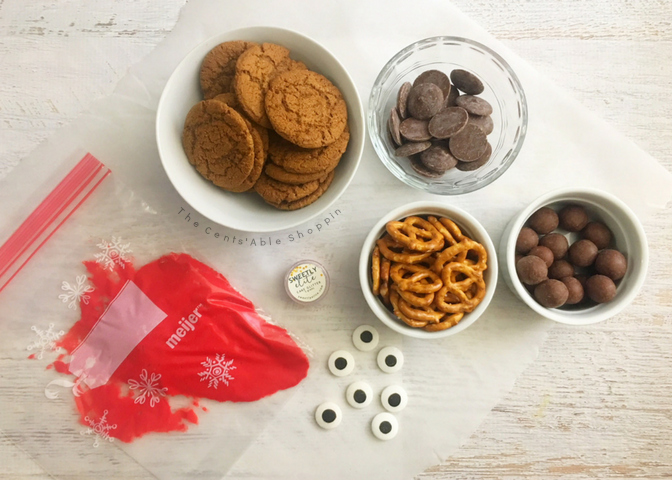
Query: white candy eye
x=365, y=338
x=359, y=394
x=384, y=426
x=394, y=398
x=390, y=359
x=328, y=415
x=341, y=363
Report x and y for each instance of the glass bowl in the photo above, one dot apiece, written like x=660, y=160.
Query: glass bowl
x=502, y=90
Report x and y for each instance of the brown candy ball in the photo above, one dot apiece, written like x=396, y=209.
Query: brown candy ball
x=527, y=238
x=575, y=290
x=560, y=269
x=573, y=218
x=582, y=253
x=611, y=263
x=598, y=233
x=600, y=288
x=544, y=220
x=551, y=293
x=544, y=253
x=557, y=243
x=531, y=270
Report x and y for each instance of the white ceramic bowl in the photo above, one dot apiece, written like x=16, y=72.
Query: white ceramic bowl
x=247, y=211
x=469, y=226
x=628, y=238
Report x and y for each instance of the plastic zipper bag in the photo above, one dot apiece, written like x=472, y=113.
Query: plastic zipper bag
x=131, y=339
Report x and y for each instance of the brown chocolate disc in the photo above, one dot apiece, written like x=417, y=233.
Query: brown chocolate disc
x=411, y=148
x=448, y=122
x=452, y=97
x=424, y=101
x=415, y=130
x=466, y=81
x=436, y=77
x=475, y=105
x=469, y=144
x=393, y=125
x=402, y=99
x=469, y=166
x=419, y=167
x=485, y=123
x=438, y=158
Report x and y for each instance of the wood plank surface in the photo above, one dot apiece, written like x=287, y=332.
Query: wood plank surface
x=597, y=403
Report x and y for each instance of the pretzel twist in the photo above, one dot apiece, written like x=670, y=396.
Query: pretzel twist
x=416, y=234
x=415, y=278
x=387, y=247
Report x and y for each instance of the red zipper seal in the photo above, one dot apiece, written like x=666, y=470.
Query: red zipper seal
x=49, y=215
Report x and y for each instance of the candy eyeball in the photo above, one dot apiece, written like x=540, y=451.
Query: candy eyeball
x=359, y=394
x=365, y=338
x=328, y=415
x=341, y=363
x=390, y=359
x=385, y=426
x=394, y=398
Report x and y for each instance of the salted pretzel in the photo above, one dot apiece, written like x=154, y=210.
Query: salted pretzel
x=426, y=288
x=415, y=278
x=375, y=271
x=416, y=234
x=447, y=322
x=396, y=252
x=468, y=298
x=384, y=280
x=458, y=253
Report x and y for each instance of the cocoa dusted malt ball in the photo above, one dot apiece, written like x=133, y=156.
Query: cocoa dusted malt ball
x=582, y=253
x=557, y=243
x=573, y=218
x=527, y=238
x=544, y=220
x=560, y=269
x=544, y=253
x=598, y=233
x=600, y=288
x=611, y=263
x=551, y=293
x=531, y=270
x=575, y=290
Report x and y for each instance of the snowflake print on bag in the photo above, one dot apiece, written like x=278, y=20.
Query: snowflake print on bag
x=76, y=293
x=113, y=253
x=217, y=370
x=100, y=429
x=147, y=387
x=46, y=340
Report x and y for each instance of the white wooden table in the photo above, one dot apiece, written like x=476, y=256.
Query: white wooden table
x=597, y=403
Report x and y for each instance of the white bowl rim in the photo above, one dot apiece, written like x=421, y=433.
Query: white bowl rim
x=354, y=105
x=467, y=222
x=608, y=310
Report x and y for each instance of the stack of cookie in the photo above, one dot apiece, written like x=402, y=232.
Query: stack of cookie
x=267, y=123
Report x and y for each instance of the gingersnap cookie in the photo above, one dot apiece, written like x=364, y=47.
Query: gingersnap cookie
x=305, y=108
x=255, y=68
x=232, y=101
x=295, y=159
x=218, y=143
x=259, y=160
x=275, y=192
x=282, y=175
x=219, y=67
x=308, y=199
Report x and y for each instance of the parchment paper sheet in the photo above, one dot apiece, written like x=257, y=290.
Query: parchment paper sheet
x=452, y=383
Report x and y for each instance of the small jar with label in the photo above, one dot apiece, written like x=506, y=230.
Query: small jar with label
x=307, y=282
